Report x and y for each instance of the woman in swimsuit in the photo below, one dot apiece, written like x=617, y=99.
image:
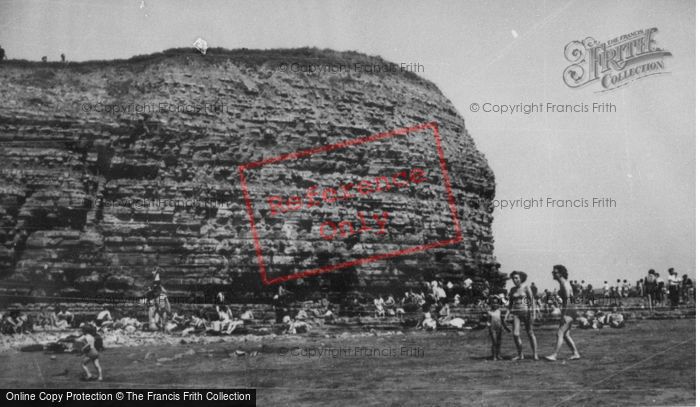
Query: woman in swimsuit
x=568, y=314
x=522, y=306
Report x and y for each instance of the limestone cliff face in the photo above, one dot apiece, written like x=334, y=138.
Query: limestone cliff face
x=94, y=154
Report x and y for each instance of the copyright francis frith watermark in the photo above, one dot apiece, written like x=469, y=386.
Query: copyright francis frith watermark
x=614, y=63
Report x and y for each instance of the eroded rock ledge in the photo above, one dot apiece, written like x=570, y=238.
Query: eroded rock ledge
x=65, y=159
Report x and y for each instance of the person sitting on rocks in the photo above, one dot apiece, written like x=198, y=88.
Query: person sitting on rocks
x=176, y=323
x=438, y=292
x=195, y=324
x=104, y=318
x=390, y=302
x=11, y=323
x=407, y=297
x=586, y=320
x=427, y=323
x=227, y=323
x=616, y=319
x=582, y=322
x=379, y=311
x=328, y=315
x=444, y=314
x=295, y=327
x=64, y=317
x=301, y=315
x=177, y=318
x=247, y=315
x=128, y=324
x=325, y=310
x=613, y=319
x=47, y=318
x=390, y=305
x=456, y=323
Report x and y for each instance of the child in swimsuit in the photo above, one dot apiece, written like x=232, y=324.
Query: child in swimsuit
x=89, y=351
x=496, y=326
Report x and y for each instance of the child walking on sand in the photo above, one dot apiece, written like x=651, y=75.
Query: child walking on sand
x=496, y=326
x=92, y=344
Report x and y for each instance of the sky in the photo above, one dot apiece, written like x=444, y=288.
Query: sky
x=642, y=155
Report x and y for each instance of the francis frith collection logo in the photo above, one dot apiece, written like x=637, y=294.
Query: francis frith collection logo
x=615, y=63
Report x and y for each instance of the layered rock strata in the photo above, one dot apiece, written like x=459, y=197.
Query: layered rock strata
x=110, y=168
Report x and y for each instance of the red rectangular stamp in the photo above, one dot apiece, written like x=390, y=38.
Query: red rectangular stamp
x=350, y=203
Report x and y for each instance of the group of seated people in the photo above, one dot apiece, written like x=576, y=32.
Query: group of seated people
x=218, y=319
x=433, y=292
x=434, y=303
x=15, y=321
x=600, y=319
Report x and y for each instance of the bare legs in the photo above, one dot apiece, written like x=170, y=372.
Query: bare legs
x=516, y=338
x=95, y=362
x=85, y=368
x=495, y=334
x=530, y=333
x=564, y=335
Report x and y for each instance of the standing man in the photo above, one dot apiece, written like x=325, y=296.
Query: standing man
x=534, y=289
x=650, y=287
x=568, y=314
x=150, y=301
x=163, y=309
x=674, y=285
x=660, y=290
x=625, y=289
x=606, y=294
x=687, y=288
x=2, y=54
x=575, y=289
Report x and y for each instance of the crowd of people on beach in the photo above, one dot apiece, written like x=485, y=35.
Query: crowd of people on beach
x=513, y=311
x=433, y=299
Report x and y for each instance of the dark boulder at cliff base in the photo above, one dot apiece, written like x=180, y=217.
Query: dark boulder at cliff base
x=109, y=168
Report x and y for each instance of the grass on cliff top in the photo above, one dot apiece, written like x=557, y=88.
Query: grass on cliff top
x=305, y=55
